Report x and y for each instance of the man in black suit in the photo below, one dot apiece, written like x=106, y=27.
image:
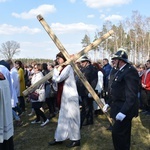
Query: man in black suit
x=91, y=74
x=124, y=100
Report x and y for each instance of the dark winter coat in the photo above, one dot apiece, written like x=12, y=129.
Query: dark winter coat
x=124, y=92
x=91, y=74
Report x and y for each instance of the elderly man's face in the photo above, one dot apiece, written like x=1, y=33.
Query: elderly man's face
x=113, y=63
x=83, y=63
x=116, y=63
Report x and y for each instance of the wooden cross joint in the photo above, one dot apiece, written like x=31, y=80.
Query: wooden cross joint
x=71, y=61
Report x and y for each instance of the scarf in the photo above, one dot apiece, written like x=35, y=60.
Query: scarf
x=60, y=90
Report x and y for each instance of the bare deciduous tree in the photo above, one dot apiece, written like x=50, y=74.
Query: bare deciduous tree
x=9, y=49
x=132, y=34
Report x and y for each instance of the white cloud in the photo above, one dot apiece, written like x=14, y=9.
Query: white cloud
x=72, y=1
x=113, y=18
x=43, y=10
x=72, y=28
x=105, y=3
x=6, y=29
x=90, y=16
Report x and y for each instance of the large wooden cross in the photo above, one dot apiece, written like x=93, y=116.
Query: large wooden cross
x=71, y=61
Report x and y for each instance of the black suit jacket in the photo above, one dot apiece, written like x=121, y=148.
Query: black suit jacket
x=91, y=75
x=124, y=92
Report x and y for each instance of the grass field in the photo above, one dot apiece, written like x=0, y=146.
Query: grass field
x=94, y=137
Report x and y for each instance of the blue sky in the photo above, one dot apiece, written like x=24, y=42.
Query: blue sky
x=69, y=19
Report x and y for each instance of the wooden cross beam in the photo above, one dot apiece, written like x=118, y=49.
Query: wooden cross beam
x=76, y=56
x=76, y=69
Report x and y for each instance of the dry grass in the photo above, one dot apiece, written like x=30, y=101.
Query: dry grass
x=94, y=137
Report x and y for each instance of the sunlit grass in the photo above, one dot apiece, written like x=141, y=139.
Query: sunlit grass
x=93, y=137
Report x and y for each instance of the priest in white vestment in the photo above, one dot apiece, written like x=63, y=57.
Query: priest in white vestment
x=6, y=120
x=68, y=126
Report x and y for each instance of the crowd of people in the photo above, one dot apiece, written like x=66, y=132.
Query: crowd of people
x=65, y=94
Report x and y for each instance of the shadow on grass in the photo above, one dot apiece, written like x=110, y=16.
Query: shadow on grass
x=93, y=137
x=140, y=137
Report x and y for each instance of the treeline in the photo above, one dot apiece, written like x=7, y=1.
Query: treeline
x=133, y=34
x=28, y=61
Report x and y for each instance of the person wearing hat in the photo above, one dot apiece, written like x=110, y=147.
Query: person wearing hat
x=91, y=74
x=68, y=126
x=124, y=100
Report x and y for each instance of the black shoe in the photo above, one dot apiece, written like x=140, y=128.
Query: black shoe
x=54, y=143
x=73, y=144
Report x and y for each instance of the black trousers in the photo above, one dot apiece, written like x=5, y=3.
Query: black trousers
x=7, y=144
x=87, y=110
x=51, y=103
x=121, y=134
x=145, y=98
x=17, y=109
x=21, y=103
x=39, y=113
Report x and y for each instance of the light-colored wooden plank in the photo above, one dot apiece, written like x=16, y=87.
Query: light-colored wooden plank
x=76, y=69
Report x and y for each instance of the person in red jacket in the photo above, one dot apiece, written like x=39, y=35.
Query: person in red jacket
x=145, y=93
